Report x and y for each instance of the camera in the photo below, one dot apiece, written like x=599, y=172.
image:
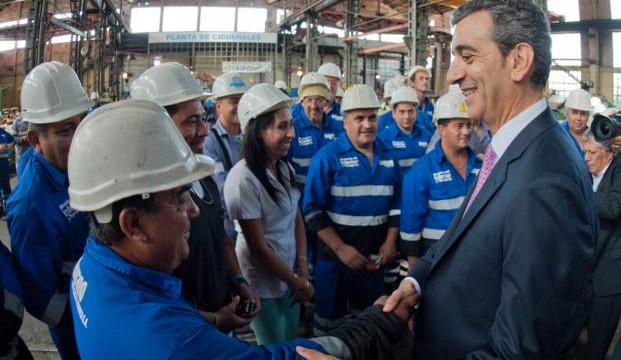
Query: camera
x=605, y=127
x=245, y=308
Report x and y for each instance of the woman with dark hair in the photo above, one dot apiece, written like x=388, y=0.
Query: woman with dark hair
x=262, y=199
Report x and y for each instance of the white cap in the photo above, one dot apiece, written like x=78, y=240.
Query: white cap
x=330, y=69
x=128, y=148
x=389, y=87
x=403, y=94
x=451, y=105
x=281, y=84
x=167, y=84
x=52, y=92
x=228, y=84
x=578, y=99
x=359, y=96
x=314, y=84
x=416, y=69
x=258, y=100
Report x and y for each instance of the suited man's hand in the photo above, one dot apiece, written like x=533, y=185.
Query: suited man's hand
x=310, y=354
x=405, y=295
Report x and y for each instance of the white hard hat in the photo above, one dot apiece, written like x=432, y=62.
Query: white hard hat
x=258, y=100
x=403, y=94
x=389, y=87
x=228, y=84
x=94, y=95
x=52, y=92
x=359, y=96
x=416, y=69
x=339, y=92
x=578, y=99
x=281, y=84
x=128, y=148
x=167, y=84
x=451, y=105
x=314, y=84
x=330, y=69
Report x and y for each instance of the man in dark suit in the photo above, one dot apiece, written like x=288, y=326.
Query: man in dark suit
x=605, y=305
x=505, y=279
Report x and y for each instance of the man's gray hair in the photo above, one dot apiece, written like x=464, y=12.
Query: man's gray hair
x=587, y=135
x=516, y=21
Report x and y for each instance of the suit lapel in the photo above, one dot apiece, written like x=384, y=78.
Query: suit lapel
x=493, y=183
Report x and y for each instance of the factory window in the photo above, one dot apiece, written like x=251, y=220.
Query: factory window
x=217, y=18
x=568, y=8
x=145, y=19
x=180, y=18
x=251, y=19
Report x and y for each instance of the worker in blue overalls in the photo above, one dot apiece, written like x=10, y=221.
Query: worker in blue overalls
x=408, y=140
x=47, y=234
x=223, y=143
x=437, y=184
x=313, y=130
x=419, y=78
x=351, y=201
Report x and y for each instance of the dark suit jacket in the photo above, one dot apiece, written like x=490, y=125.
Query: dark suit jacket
x=505, y=280
x=607, y=273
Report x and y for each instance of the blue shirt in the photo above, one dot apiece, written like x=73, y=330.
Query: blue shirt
x=565, y=126
x=335, y=113
x=213, y=149
x=424, y=118
x=5, y=138
x=407, y=147
x=124, y=311
x=309, y=139
x=47, y=237
x=433, y=191
x=345, y=190
x=384, y=121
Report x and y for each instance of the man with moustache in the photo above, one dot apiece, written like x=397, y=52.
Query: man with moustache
x=506, y=278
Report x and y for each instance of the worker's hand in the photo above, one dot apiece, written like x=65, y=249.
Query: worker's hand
x=245, y=292
x=405, y=295
x=227, y=319
x=351, y=257
x=616, y=143
x=302, y=290
x=388, y=252
x=310, y=354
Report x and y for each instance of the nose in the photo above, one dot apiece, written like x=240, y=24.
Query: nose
x=455, y=72
x=193, y=210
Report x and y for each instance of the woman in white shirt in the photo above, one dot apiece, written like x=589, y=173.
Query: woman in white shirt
x=262, y=199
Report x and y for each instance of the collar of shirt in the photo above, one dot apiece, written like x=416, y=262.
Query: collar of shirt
x=57, y=177
x=345, y=145
x=438, y=155
x=220, y=128
x=396, y=131
x=512, y=128
x=598, y=178
x=305, y=122
x=164, y=283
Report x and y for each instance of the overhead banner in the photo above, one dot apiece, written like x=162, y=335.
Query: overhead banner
x=209, y=36
x=247, y=67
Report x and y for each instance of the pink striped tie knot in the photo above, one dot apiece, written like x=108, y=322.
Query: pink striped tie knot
x=488, y=166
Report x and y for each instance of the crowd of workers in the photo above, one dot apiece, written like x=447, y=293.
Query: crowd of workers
x=139, y=230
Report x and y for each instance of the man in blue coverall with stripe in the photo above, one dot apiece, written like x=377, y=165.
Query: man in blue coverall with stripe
x=47, y=234
x=135, y=181
x=351, y=201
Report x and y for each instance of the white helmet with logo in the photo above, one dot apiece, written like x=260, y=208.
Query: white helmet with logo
x=403, y=94
x=128, y=148
x=314, y=84
x=359, y=96
x=330, y=69
x=167, y=84
x=281, y=84
x=451, y=105
x=228, y=84
x=52, y=92
x=258, y=100
x=578, y=99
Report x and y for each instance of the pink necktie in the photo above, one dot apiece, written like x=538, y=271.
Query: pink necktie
x=488, y=165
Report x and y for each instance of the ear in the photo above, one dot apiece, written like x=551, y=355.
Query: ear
x=131, y=226
x=33, y=139
x=521, y=60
